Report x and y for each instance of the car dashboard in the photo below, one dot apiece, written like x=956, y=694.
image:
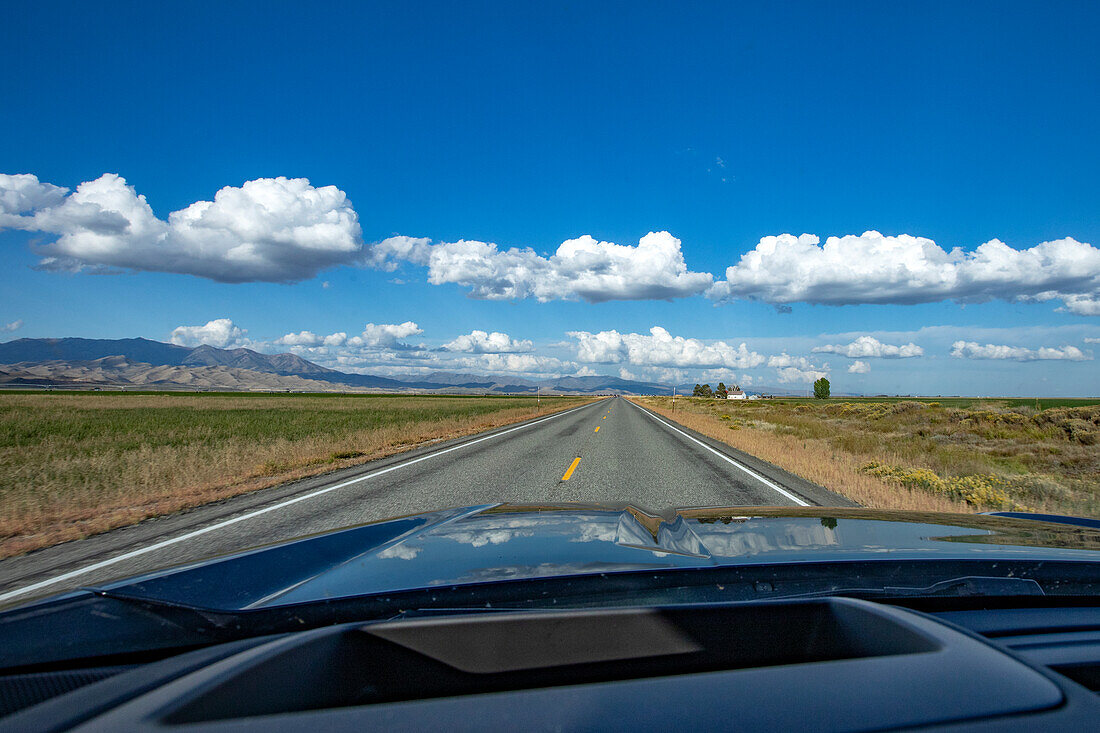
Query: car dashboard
x=830, y=663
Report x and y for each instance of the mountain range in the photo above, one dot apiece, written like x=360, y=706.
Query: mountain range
x=147, y=363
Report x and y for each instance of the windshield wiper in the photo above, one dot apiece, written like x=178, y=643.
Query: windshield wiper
x=969, y=585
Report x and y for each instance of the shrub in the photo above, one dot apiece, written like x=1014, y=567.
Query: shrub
x=983, y=491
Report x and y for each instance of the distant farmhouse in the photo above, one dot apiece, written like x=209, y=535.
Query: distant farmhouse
x=736, y=394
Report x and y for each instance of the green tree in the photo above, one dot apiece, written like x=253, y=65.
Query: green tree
x=698, y=391
x=705, y=391
x=721, y=392
x=821, y=389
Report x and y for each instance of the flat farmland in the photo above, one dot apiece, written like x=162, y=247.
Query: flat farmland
x=1038, y=403
x=78, y=463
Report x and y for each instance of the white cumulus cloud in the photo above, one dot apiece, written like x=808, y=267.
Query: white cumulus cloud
x=12, y=326
x=302, y=338
x=374, y=336
x=221, y=332
x=269, y=229
x=1082, y=305
x=903, y=269
x=481, y=342
x=790, y=369
x=791, y=375
x=381, y=349
x=526, y=364
x=581, y=268
x=660, y=348
x=871, y=347
x=1090, y=340
x=387, y=254
x=386, y=334
x=336, y=339
x=22, y=194
x=859, y=367
x=974, y=350
x=786, y=360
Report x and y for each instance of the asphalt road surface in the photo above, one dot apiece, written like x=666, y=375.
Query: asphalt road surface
x=611, y=451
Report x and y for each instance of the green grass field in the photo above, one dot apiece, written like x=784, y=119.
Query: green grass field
x=1039, y=403
x=72, y=463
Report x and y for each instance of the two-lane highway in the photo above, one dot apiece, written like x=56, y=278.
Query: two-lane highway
x=610, y=451
x=634, y=455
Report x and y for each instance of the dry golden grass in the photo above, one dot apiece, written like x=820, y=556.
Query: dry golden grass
x=892, y=453
x=75, y=464
x=811, y=458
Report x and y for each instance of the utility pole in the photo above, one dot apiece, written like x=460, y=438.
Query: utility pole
x=674, y=399
x=538, y=398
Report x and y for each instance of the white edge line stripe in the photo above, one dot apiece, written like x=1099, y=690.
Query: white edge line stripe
x=770, y=484
x=150, y=548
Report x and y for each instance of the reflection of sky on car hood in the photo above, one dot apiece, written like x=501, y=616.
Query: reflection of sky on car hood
x=497, y=546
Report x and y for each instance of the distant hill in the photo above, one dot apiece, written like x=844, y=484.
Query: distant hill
x=118, y=371
x=141, y=361
x=249, y=359
x=605, y=384
x=78, y=349
x=152, y=352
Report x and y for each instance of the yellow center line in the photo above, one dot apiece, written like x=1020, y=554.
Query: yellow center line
x=597, y=429
x=605, y=417
x=571, y=469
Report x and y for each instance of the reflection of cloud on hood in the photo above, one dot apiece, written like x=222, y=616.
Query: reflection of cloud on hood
x=746, y=540
x=596, y=532
x=498, y=530
x=401, y=551
x=491, y=531
x=492, y=537
x=548, y=570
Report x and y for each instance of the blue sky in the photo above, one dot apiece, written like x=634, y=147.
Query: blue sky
x=938, y=125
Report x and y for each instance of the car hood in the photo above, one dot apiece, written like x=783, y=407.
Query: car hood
x=503, y=542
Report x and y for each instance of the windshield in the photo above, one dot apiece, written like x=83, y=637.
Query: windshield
x=509, y=292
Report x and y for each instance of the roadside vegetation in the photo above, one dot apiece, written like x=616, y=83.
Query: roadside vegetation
x=73, y=464
x=953, y=454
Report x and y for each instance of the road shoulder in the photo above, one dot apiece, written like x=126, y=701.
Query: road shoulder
x=815, y=494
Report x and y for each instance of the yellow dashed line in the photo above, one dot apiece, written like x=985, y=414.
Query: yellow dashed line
x=605, y=417
x=597, y=429
x=571, y=469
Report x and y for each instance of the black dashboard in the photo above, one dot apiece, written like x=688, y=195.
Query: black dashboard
x=819, y=664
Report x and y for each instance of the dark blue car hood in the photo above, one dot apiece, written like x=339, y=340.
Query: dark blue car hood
x=501, y=542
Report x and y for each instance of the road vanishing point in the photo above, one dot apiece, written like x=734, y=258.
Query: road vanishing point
x=611, y=451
